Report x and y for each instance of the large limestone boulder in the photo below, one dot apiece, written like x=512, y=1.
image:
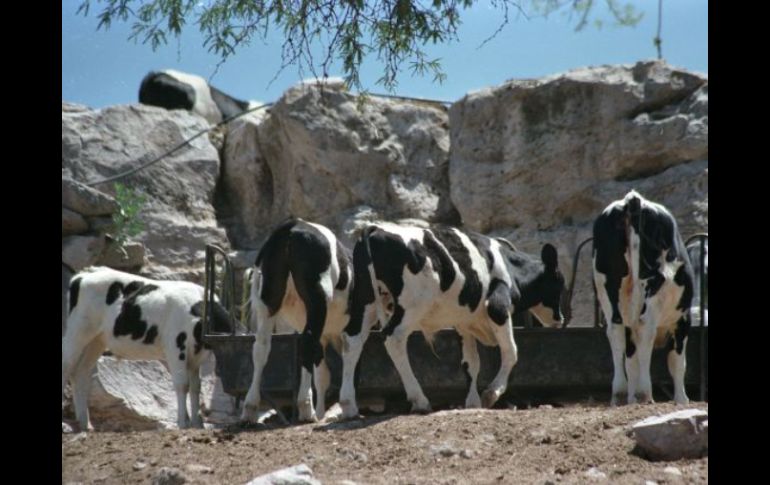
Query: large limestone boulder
x=137, y=394
x=673, y=436
x=539, y=154
x=179, y=215
x=316, y=155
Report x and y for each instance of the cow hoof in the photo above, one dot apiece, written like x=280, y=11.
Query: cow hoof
x=249, y=414
x=421, y=408
x=643, y=398
x=682, y=401
x=473, y=403
x=489, y=398
x=197, y=423
x=618, y=400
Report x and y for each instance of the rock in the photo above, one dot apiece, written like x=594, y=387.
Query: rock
x=673, y=436
x=139, y=465
x=169, y=476
x=179, y=217
x=79, y=252
x=594, y=472
x=85, y=200
x=580, y=129
x=72, y=223
x=101, y=224
x=444, y=449
x=195, y=468
x=66, y=428
x=672, y=470
x=130, y=256
x=295, y=475
x=139, y=395
x=73, y=107
x=316, y=155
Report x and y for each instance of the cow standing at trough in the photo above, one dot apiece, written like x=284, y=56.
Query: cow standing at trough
x=644, y=282
x=442, y=277
x=172, y=89
x=136, y=318
x=303, y=276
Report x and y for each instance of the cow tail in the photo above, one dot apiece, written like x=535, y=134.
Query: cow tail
x=378, y=305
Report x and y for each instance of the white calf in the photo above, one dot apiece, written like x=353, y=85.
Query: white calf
x=138, y=319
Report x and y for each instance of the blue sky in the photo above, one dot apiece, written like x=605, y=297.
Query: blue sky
x=101, y=68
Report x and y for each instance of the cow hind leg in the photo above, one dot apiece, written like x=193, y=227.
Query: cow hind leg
x=640, y=385
x=677, y=361
x=352, y=345
x=195, y=398
x=471, y=366
x=181, y=379
x=81, y=383
x=395, y=344
x=305, y=411
x=508, y=358
x=259, y=353
x=321, y=378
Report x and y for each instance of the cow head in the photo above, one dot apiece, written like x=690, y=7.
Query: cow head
x=548, y=288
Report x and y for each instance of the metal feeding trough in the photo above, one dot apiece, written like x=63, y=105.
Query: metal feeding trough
x=566, y=363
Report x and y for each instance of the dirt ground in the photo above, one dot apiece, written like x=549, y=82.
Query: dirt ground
x=570, y=444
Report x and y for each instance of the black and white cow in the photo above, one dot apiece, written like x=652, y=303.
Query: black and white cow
x=644, y=283
x=303, y=276
x=178, y=90
x=136, y=318
x=441, y=277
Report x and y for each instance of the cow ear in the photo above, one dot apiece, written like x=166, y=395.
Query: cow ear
x=549, y=257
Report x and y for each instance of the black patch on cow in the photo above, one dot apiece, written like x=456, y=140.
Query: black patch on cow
x=198, y=336
x=441, y=261
x=181, y=355
x=129, y=321
x=149, y=338
x=114, y=291
x=470, y=295
x=132, y=287
x=467, y=374
x=484, y=245
x=227, y=105
x=499, y=304
x=273, y=260
x=143, y=290
x=160, y=89
x=180, y=341
x=654, y=284
x=630, y=347
x=197, y=309
x=74, y=292
x=343, y=261
x=684, y=277
x=681, y=332
x=609, y=249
